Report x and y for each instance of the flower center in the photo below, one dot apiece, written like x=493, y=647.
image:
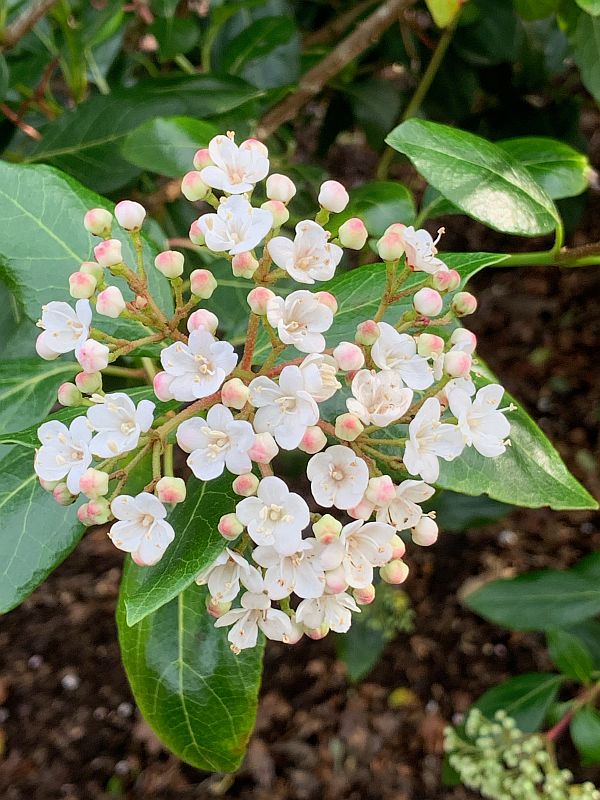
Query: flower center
x=128, y=427
x=147, y=520
x=287, y=404
x=335, y=473
x=204, y=366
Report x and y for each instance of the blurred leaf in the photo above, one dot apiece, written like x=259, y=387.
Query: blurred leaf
x=586, y=52
x=536, y=9
x=444, y=11
x=585, y=732
x=558, y=168
x=174, y=35
x=570, y=655
x=459, y=512
x=379, y=204
x=526, y=698
x=4, y=77
x=590, y=6
x=167, y=145
x=589, y=567
x=494, y=36
x=376, y=105
x=588, y=632
x=257, y=41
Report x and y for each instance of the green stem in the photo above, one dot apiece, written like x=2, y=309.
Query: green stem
x=138, y=246
x=168, y=460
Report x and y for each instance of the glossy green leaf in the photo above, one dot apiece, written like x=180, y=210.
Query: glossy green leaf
x=590, y=6
x=28, y=389
x=588, y=567
x=526, y=698
x=37, y=533
x=256, y=41
x=477, y=176
x=570, y=655
x=443, y=11
x=459, y=512
x=167, y=145
x=558, y=168
x=585, y=732
x=586, y=52
x=379, y=204
x=197, y=696
x=197, y=544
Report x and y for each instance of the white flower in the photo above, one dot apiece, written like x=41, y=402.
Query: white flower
x=237, y=227
x=300, y=572
x=255, y=613
x=275, y=516
x=327, y=369
x=360, y=547
x=142, y=529
x=64, y=329
x=338, y=477
x=421, y=250
x=309, y=257
x=398, y=351
x=482, y=425
x=65, y=452
x=300, y=320
x=379, y=397
x=430, y=439
x=226, y=573
x=119, y=424
x=235, y=169
x=404, y=512
x=332, y=610
x=217, y=442
x=286, y=409
x=197, y=369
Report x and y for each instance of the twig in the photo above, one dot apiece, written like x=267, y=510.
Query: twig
x=15, y=32
x=28, y=130
x=337, y=26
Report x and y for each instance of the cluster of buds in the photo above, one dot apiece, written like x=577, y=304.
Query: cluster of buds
x=503, y=763
x=405, y=400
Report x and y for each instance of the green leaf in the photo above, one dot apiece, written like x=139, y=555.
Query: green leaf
x=259, y=39
x=197, y=544
x=477, y=176
x=37, y=533
x=586, y=52
x=526, y=698
x=570, y=655
x=167, y=145
x=459, y=512
x=588, y=632
x=558, y=168
x=585, y=732
x=4, y=77
x=197, y=696
x=589, y=567
x=379, y=204
x=174, y=35
x=443, y=11
x=28, y=389
x=590, y=6
x=536, y=9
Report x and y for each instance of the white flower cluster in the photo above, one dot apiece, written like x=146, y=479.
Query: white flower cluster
x=409, y=395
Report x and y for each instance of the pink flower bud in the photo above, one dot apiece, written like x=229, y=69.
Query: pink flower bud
x=93, y=356
x=245, y=485
x=94, y=483
x=202, y=283
x=428, y=344
x=280, y=187
x=349, y=357
x=81, y=285
x=162, y=386
x=140, y=301
x=258, y=299
x=48, y=486
x=428, y=302
x=394, y=572
x=42, y=349
x=89, y=382
x=363, y=510
x=264, y=448
x=171, y=490
x=203, y=319
x=216, y=608
x=108, y=253
x=457, y=364
x=364, y=596
x=463, y=304
x=446, y=280
x=244, y=265
x=425, y=532
x=278, y=211
x=348, y=427
x=110, y=302
x=313, y=440
x=96, y=512
x=169, y=263
x=202, y=159
x=391, y=246
x=353, y=234
x=193, y=187
x=463, y=339
x=335, y=580
x=62, y=495
x=130, y=215
x=234, y=394
x=398, y=547
x=195, y=234
x=333, y=197
x=92, y=268
x=318, y=633
x=69, y=395
x=381, y=490
x=328, y=300
x=98, y=221
x=327, y=529
x=367, y=333
x=230, y=527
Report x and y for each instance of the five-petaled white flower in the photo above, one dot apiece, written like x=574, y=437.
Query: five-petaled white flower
x=398, y=351
x=482, y=425
x=300, y=320
x=197, y=369
x=235, y=169
x=64, y=328
x=421, y=250
x=404, y=510
x=276, y=517
x=142, y=529
x=65, y=452
x=286, y=409
x=360, y=547
x=327, y=369
x=217, y=442
x=430, y=439
x=255, y=613
x=310, y=257
x=300, y=572
x=332, y=610
x=338, y=477
x=225, y=574
x=380, y=398
x=237, y=227
x=119, y=424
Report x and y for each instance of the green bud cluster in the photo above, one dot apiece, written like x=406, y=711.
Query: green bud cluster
x=391, y=615
x=504, y=763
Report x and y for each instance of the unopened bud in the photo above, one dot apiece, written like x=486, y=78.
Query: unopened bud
x=108, y=253
x=89, y=382
x=245, y=485
x=264, y=448
x=203, y=319
x=92, y=268
x=48, y=486
x=457, y=364
x=381, y=490
x=234, y=394
x=398, y=547
x=348, y=427
x=230, y=527
x=313, y=441
x=258, y=299
x=169, y=263
x=349, y=357
x=93, y=356
x=244, y=265
x=202, y=159
x=333, y=197
x=196, y=235
x=216, y=608
x=463, y=339
x=327, y=529
x=161, y=383
x=193, y=187
x=110, y=302
x=81, y=285
x=365, y=596
x=318, y=633
x=278, y=211
x=394, y=572
x=353, y=234
x=428, y=302
x=446, y=280
x=335, y=580
x=425, y=532
x=140, y=302
x=171, y=490
x=62, y=495
x=463, y=304
x=367, y=333
x=69, y=395
x=280, y=187
x=98, y=221
x=328, y=300
x=428, y=345
x=202, y=283
x=130, y=215
x=94, y=483
x=362, y=510
x=96, y=512
x=391, y=246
